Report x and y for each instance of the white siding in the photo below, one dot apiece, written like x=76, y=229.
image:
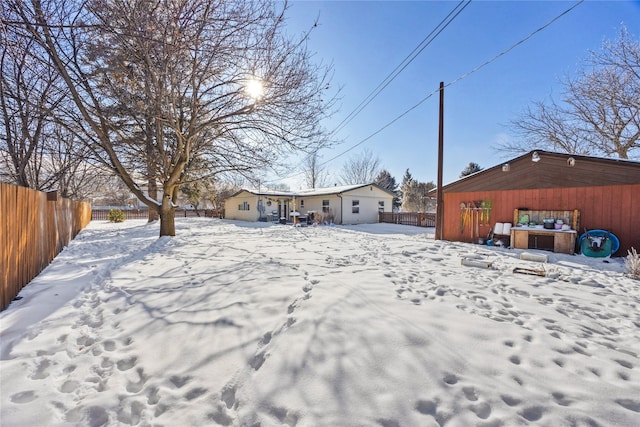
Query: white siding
x=368, y=199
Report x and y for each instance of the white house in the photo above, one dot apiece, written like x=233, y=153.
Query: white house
x=347, y=204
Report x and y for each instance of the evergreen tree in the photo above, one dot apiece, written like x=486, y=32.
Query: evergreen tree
x=407, y=179
x=471, y=168
x=388, y=182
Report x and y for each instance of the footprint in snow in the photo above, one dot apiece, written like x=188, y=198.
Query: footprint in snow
x=561, y=399
x=257, y=361
x=195, y=393
x=41, y=370
x=450, y=379
x=126, y=364
x=630, y=404
x=532, y=413
x=180, y=381
x=482, y=410
x=510, y=400
x=266, y=339
x=470, y=393
x=624, y=363
x=153, y=396
x=24, y=397
x=135, y=387
x=228, y=395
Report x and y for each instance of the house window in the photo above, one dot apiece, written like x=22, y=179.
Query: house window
x=244, y=206
x=355, y=206
x=325, y=206
x=301, y=204
x=381, y=206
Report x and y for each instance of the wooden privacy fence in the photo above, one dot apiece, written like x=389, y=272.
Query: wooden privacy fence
x=102, y=214
x=34, y=228
x=419, y=219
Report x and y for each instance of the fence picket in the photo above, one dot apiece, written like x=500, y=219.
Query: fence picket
x=419, y=219
x=33, y=231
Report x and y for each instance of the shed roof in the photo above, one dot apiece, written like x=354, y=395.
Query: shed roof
x=552, y=170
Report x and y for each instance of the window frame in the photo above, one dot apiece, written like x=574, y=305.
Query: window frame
x=355, y=206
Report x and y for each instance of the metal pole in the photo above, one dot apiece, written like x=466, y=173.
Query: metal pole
x=439, y=196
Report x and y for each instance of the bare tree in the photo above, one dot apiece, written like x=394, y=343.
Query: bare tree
x=315, y=175
x=68, y=165
x=159, y=84
x=217, y=191
x=599, y=113
x=361, y=168
x=27, y=97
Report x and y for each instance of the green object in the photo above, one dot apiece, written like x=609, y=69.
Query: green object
x=115, y=215
x=523, y=219
x=596, y=246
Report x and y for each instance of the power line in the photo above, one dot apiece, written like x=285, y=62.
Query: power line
x=504, y=52
x=444, y=23
x=461, y=77
x=426, y=41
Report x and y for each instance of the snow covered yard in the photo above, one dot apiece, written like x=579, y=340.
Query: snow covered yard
x=243, y=324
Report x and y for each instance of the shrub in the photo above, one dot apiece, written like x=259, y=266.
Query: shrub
x=632, y=264
x=115, y=215
x=325, y=218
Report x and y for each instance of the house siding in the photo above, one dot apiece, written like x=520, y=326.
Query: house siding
x=613, y=208
x=231, y=210
x=340, y=204
x=368, y=198
x=314, y=203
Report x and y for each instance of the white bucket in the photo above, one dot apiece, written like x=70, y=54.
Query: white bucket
x=534, y=257
x=498, y=228
x=506, y=229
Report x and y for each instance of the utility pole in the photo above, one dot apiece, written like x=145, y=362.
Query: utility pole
x=439, y=196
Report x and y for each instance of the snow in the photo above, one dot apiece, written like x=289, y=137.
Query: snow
x=257, y=324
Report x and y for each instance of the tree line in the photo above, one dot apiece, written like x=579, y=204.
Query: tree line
x=162, y=99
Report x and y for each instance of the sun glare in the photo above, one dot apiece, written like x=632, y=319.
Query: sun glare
x=254, y=88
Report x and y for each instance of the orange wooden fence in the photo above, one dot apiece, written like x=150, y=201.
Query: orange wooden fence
x=34, y=228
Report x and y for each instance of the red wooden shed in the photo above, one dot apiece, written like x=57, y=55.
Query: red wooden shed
x=606, y=192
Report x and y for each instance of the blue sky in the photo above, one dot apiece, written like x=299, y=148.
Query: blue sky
x=366, y=40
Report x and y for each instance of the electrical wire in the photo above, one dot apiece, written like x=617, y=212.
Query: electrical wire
x=429, y=38
x=426, y=41
x=504, y=52
x=463, y=76
x=423, y=100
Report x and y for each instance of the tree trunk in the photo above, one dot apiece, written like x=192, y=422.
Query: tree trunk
x=167, y=217
x=152, y=184
x=153, y=194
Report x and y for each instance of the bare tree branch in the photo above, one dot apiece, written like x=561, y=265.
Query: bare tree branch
x=600, y=109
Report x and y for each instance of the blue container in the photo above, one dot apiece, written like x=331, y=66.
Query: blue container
x=610, y=244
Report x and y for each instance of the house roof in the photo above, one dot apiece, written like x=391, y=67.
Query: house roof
x=552, y=170
x=338, y=189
